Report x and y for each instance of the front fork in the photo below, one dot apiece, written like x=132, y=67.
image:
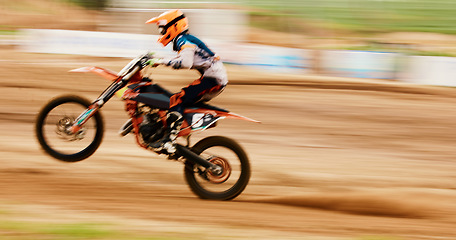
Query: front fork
x=84, y=117
x=118, y=84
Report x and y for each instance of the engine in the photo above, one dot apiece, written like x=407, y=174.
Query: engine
x=151, y=128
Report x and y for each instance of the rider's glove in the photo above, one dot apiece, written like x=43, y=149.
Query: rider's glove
x=154, y=62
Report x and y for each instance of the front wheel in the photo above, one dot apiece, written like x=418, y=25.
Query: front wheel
x=52, y=132
x=234, y=177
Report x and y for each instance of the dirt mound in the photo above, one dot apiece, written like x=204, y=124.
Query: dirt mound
x=359, y=203
x=358, y=158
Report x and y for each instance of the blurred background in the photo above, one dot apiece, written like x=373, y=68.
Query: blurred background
x=354, y=143
x=348, y=38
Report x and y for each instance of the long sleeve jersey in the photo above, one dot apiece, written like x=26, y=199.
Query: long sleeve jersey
x=194, y=54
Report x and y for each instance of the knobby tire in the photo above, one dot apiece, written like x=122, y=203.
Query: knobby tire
x=242, y=181
x=81, y=155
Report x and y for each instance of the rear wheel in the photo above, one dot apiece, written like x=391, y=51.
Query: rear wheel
x=52, y=132
x=234, y=177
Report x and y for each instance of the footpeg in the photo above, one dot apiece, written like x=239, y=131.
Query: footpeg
x=126, y=128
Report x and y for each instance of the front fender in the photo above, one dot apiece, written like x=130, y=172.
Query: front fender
x=106, y=73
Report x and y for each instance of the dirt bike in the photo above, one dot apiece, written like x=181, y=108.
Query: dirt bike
x=70, y=128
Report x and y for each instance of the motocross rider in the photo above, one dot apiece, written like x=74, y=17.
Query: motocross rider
x=192, y=54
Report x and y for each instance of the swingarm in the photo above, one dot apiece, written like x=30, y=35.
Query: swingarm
x=196, y=159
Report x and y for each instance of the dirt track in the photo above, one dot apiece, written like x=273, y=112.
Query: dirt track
x=333, y=158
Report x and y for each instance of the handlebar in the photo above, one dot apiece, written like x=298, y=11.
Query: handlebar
x=135, y=65
x=141, y=60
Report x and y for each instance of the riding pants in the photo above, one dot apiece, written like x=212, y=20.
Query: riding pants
x=200, y=90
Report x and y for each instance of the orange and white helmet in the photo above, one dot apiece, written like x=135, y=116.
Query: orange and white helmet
x=170, y=24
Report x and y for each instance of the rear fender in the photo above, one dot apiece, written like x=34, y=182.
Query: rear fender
x=221, y=114
x=201, y=119
x=236, y=116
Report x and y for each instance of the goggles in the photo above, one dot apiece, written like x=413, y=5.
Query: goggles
x=162, y=30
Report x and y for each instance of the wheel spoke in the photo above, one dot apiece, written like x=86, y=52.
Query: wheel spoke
x=53, y=129
x=234, y=174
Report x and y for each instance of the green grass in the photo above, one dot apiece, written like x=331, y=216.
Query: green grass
x=15, y=230
x=8, y=32
x=79, y=231
x=376, y=16
x=369, y=15
x=363, y=16
x=90, y=4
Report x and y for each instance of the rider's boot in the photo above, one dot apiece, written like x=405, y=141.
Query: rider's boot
x=174, y=121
